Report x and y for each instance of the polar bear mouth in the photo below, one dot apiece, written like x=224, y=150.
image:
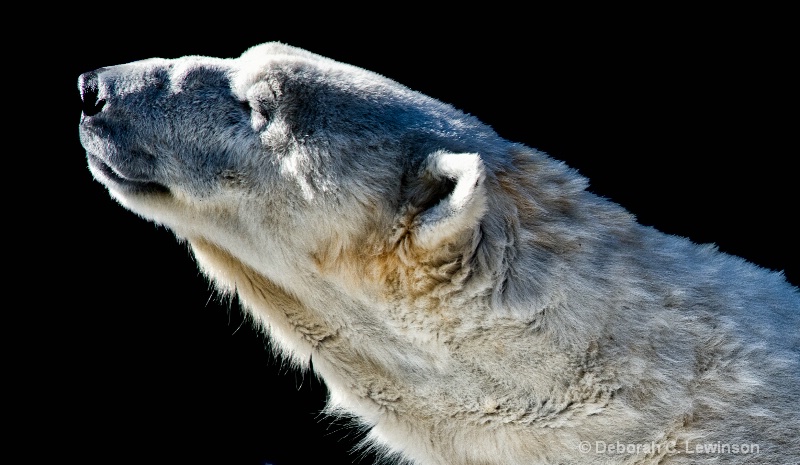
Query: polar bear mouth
x=111, y=177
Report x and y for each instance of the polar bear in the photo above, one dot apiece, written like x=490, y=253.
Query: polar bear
x=465, y=298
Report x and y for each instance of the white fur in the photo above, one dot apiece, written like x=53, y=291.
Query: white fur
x=463, y=297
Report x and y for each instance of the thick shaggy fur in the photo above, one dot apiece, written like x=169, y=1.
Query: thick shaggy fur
x=463, y=296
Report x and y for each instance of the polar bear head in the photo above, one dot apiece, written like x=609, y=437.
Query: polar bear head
x=280, y=156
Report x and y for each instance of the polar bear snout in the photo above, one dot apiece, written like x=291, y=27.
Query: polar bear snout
x=90, y=91
x=114, y=154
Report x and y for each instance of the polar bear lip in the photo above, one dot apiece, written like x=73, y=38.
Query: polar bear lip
x=110, y=176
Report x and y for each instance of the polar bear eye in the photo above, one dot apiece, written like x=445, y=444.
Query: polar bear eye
x=245, y=105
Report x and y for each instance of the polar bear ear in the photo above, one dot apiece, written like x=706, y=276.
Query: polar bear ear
x=447, y=196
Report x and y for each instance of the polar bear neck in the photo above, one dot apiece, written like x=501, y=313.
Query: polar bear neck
x=412, y=390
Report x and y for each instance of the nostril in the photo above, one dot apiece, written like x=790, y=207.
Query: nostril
x=90, y=90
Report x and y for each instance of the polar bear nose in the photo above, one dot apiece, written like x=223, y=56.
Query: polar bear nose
x=89, y=89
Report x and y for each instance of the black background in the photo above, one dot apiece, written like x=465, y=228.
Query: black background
x=686, y=118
